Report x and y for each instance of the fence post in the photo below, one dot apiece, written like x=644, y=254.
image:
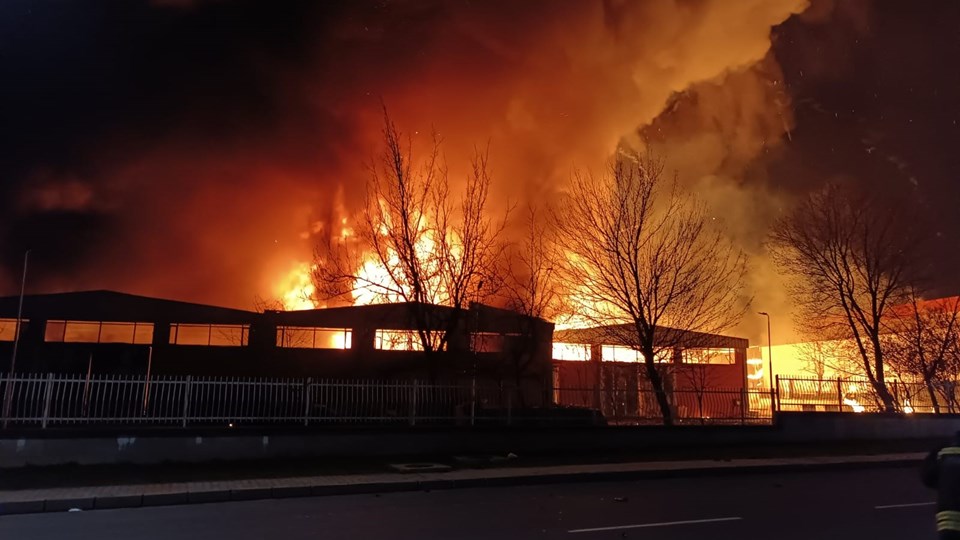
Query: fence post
x=47, y=395
x=839, y=395
x=413, y=402
x=306, y=401
x=473, y=400
x=775, y=400
x=744, y=396
x=186, y=400
x=7, y=390
x=86, y=386
x=146, y=382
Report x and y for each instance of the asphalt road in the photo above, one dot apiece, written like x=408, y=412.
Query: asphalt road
x=883, y=504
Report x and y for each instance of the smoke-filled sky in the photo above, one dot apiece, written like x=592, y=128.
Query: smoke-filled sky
x=194, y=149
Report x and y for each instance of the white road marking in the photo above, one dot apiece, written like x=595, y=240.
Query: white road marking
x=908, y=505
x=661, y=524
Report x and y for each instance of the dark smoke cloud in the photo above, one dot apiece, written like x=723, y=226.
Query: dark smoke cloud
x=184, y=148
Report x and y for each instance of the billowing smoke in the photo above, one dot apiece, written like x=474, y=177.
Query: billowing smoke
x=205, y=144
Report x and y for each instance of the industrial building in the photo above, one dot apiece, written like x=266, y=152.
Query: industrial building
x=113, y=332
x=107, y=332
x=704, y=374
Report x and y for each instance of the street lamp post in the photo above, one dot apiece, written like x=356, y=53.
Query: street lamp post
x=8, y=391
x=769, y=360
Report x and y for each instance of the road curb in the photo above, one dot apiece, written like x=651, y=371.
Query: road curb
x=321, y=490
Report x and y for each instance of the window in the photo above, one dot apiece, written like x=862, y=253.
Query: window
x=619, y=353
x=709, y=356
x=308, y=337
x=98, y=332
x=8, y=329
x=488, y=342
x=402, y=340
x=217, y=335
x=571, y=351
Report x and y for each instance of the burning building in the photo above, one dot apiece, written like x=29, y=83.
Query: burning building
x=919, y=345
x=117, y=333
x=596, y=368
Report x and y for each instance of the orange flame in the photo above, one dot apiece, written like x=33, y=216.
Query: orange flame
x=297, y=289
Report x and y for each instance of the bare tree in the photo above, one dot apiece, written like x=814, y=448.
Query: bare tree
x=815, y=358
x=467, y=242
x=698, y=376
x=851, y=258
x=531, y=288
x=647, y=263
x=838, y=357
x=921, y=342
x=949, y=380
x=415, y=243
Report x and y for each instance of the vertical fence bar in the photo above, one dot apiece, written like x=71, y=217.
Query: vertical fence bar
x=473, y=400
x=86, y=384
x=839, y=395
x=186, y=401
x=146, y=381
x=744, y=403
x=306, y=401
x=777, y=396
x=413, y=403
x=47, y=394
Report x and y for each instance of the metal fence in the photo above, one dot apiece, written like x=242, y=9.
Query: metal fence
x=55, y=400
x=50, y=399
x=638, y=406
x=858, y=395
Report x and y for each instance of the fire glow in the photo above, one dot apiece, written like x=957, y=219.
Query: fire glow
x=297, y=288
x=375, y=283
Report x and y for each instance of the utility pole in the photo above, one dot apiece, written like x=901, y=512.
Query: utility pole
x=8, y=391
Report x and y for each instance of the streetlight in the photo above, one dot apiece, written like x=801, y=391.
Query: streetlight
x=8, y=391
x=769, y=358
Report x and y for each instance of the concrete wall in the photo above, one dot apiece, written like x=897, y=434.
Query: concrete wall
x=145, y=446
x=798, y=427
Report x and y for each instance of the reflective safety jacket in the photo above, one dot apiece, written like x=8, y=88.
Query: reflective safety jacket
x=941, y=471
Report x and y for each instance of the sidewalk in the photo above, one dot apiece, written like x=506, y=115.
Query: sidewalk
x=158, y=494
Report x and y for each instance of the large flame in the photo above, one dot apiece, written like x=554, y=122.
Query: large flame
x=375, y=283
x=296, y=288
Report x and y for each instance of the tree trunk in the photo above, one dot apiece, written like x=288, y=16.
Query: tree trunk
x=933, y=395
x=656, y=381
x=878, y=382
x=883, y=394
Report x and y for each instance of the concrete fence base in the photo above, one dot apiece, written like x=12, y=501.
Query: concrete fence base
x=147, y=447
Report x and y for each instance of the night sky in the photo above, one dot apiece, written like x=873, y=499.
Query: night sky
x=187, y=148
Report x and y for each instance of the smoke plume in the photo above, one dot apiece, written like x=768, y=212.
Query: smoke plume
x=200, y=158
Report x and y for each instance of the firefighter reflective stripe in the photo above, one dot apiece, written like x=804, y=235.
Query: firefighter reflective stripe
x=949, y=451
x=948, y=520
